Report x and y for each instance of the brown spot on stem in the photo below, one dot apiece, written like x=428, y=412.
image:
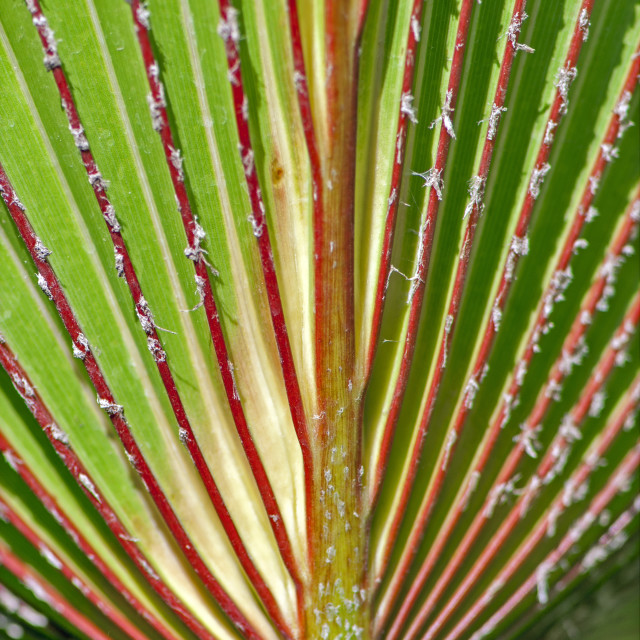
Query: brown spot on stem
x=277, y=172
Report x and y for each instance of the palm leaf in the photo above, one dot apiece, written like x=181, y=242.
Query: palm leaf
x=317, y=320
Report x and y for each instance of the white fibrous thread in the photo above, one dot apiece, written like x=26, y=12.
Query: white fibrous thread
x=612, y=539
x=231, y=370
x=535, y=337
x=484, y=630
x=12, y=460
x=110, y=216
x=564, y=78
x=509, y=403
x=476, y=193
x=228, y=29
x=447, y=110
x=470, y=391
x=299, y=81
x=591, y=215
x=247, y=160
x=593, y=557
x=528, y=438
x=392, y=198
x=471, y=487
x=50, y=557
x=154, y=71
x=520, y=246
x=560, y=454
x=200, y=284
x=573, y=358
x=42, y=283
x=415, y=28
x=132, y=460
x=51, y=58
x=416, y=278
x=521, y=371
x=22, y=386
x=244, y=108
x=549, y=132
x=89, y=486
x=514, y=31
x=537, y=178
x=176, y=161
x=40, y=250
x=14, y=199
x=432, y=178
x=622, y=111
x=573, y=494
x=580, y=243
x=552, y=519
x=542, y=578
x=15, y=605
x=620, y=340
x=119, y=261
x=584, y=24
x=559, y=282
x=496, y=316
x=97, y=181
x=148, y=569
x=145, y=316
x=156, y=349
x=80, y=347
x=568, y=430
x=500, y=494
x=451, y=440
x=143, y=15
x=39, y=592
x=608, y=271
x=491, y=592
x=448, y=323
x=194, y=251
x=79, y=137
x=594, y=183
x=406, y=107
x=494, y=120
x=609, y=152
x=597, y=404
x=553, y=390
x=529, y=493
x=399, y=150
x=58, y=434
x=156, y=106
x=256, y=227
x=110, y=407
